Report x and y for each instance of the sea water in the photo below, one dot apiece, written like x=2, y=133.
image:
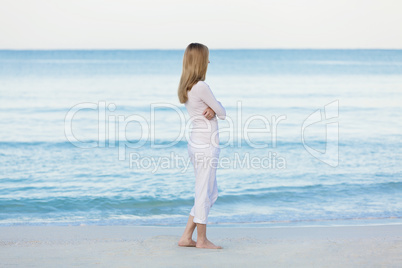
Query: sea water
x=99, y=137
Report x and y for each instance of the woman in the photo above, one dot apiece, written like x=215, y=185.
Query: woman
x=203, y=145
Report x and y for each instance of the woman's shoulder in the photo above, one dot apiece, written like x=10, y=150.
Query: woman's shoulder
x=201, y=85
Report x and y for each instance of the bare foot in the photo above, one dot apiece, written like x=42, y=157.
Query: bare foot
x=186, y=242
x=206, y=244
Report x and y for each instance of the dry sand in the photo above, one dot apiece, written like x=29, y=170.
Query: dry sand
x=139, y=246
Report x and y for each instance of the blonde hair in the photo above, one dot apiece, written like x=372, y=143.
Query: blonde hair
x=195, y=64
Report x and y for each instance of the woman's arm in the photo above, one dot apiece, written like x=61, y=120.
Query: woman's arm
x=205, y=93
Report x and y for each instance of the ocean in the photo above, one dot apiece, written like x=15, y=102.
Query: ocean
x=98, y=137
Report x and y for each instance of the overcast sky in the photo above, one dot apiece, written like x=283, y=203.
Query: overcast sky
x=164, y=24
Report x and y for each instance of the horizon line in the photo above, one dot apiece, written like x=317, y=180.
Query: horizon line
x=180, y=49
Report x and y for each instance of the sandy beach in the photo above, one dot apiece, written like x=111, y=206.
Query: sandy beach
x=141, y=246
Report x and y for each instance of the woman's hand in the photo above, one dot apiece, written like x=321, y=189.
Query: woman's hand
x=209, y=113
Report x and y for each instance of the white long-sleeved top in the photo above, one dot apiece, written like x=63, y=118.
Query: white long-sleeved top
x=200, y=97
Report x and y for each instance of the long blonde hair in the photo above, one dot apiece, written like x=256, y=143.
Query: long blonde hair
x=195, y=64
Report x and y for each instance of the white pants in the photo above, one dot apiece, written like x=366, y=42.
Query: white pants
x=205, y=162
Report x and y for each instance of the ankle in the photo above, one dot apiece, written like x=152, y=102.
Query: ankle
x=202, y=239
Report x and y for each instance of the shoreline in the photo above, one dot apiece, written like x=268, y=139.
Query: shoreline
x=150, y=246
x=262, y=224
